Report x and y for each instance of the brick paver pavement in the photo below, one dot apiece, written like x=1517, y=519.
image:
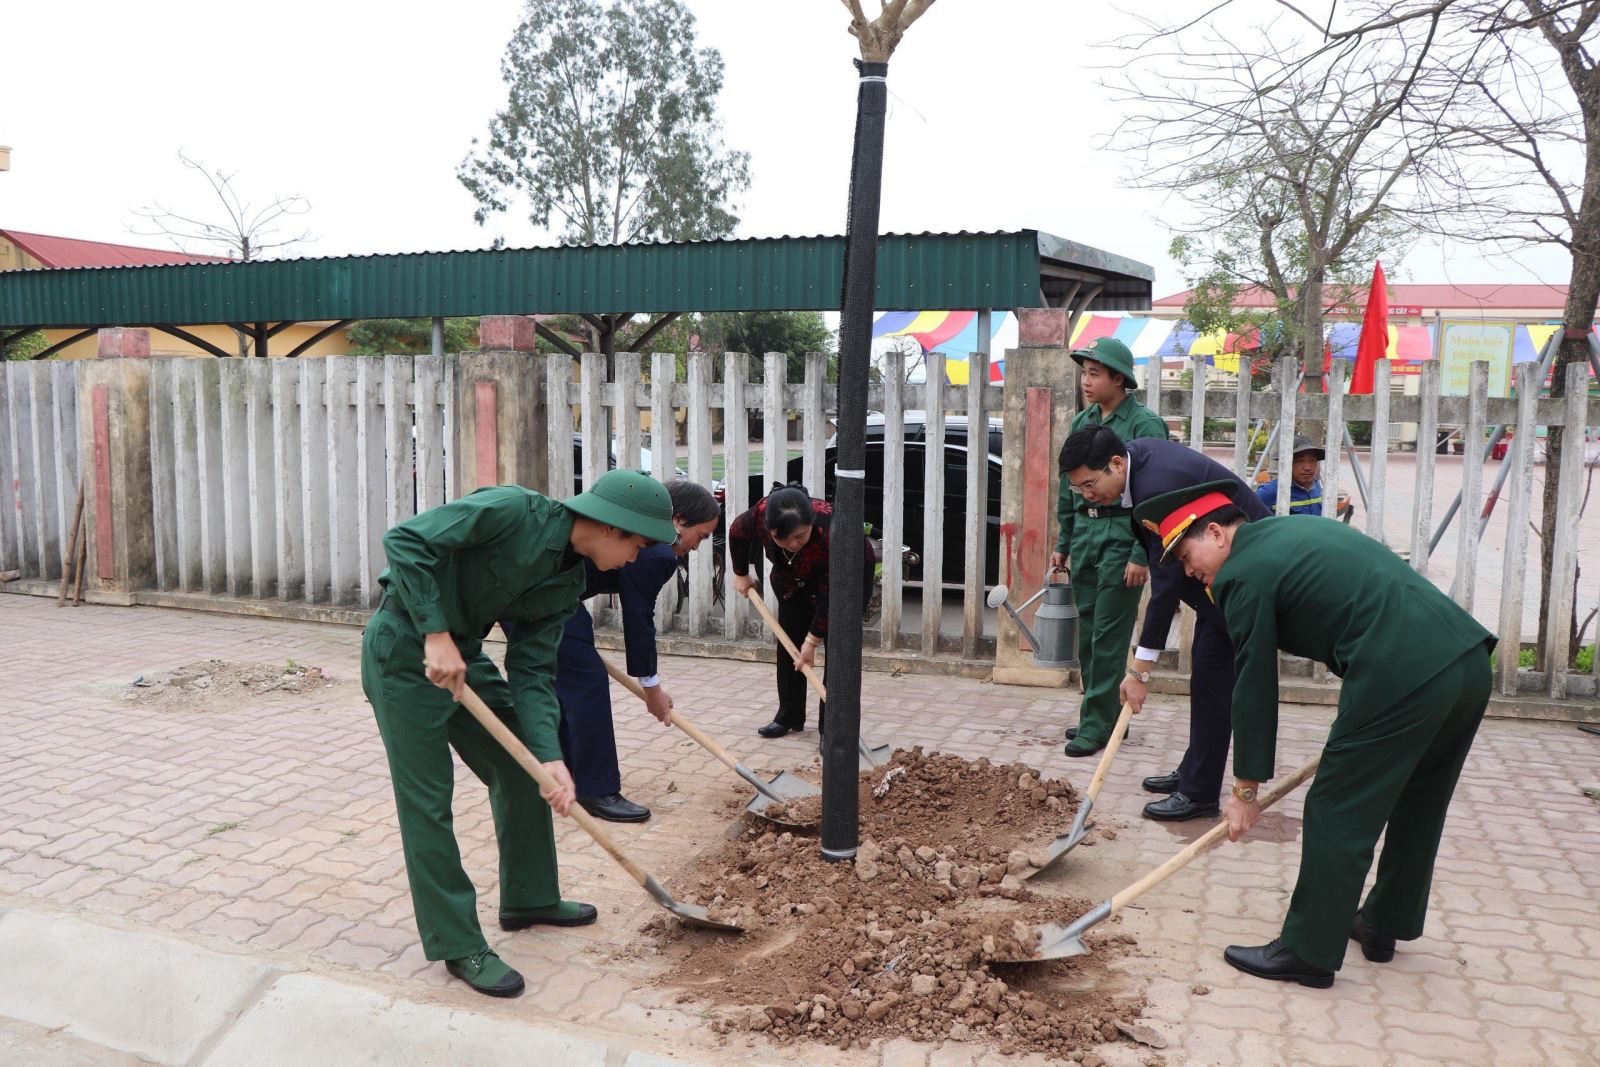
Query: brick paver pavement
x=270, y=826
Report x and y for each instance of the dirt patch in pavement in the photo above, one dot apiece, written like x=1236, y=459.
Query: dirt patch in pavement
x=901, y=943
x=214, y=682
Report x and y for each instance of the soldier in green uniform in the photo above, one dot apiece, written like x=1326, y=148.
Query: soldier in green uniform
x=1107, y=560
x=508, y=553
x=1416, y=682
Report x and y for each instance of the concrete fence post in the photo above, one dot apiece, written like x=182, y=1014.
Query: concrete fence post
x=1037, y=410
x=114, y=440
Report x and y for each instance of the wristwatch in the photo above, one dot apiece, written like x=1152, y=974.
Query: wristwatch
x=1143, y=676
x=1248, y=795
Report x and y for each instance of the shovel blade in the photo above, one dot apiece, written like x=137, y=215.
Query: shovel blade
x=695, y=915
x=1056, y=942
x=1058, y=848
x=776, y=795
x=874, y=756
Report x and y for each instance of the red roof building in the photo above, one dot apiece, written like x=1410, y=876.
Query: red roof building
x=20, y=250
x=1516, y=302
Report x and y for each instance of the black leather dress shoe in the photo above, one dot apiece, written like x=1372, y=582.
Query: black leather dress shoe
x=1177, y=808
x=1375, y=946
x=775, y=729
x=1276, y=963
x=1082, y=746
x=615, y=808
x=1161, y=783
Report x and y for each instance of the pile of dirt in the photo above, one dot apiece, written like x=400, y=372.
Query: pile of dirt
x=214, y=681
x=901, y=943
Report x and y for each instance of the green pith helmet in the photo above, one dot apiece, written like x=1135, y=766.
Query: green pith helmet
x=1113, y=354
x=631, y=501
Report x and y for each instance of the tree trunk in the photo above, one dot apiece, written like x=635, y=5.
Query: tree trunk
x=1310, y=348
x=1578, y=318
x=1578, y=321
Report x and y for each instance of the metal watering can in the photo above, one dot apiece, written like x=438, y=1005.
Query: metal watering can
x=1056, y=643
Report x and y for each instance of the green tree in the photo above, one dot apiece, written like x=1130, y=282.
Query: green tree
x=610, y=129
x=410, y=337
x=27, y=346
x=759, y=332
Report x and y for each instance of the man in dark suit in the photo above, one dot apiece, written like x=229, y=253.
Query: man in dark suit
x=1110, y=472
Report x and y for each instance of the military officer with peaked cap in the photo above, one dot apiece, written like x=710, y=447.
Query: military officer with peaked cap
x=1416, y=682
x=503, y=552
x=1107, y=560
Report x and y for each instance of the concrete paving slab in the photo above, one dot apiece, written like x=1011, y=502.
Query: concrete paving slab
x=149, y=996
x=306, y=1018
x=25, y=1043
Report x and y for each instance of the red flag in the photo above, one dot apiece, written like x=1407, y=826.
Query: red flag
x=1374, y=344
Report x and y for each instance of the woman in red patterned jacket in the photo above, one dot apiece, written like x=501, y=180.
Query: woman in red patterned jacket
x=793, y=530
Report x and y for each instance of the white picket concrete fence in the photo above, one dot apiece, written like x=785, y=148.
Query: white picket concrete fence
x=622, y=402
x=275, y=479
x=39, y=466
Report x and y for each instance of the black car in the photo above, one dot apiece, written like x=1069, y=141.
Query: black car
x=954, y=512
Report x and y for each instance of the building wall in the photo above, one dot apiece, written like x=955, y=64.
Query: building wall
x=14, y=258
x=164, y=344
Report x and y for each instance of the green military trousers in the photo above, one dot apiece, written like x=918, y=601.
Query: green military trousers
x=1394, y=767
x=420, y=724
x=1107, y=608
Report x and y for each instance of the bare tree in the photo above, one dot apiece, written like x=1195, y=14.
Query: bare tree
x=1525, y=120
x=242, y=231
x=1295, y=162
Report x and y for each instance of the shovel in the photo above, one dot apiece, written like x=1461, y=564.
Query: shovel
x=1057, y=941
x=872, y=756
x=693, y=914
x=1066, y=842
x=771, y=797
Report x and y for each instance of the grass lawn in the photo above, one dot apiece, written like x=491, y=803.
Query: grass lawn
x=719, y=462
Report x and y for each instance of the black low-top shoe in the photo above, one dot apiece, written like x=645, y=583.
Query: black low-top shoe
x=1276, y=963
x=1375, y=946
x=1161, y=783
x=487, y=973
x=615, y=808
x=775, y=729
x=1082, y=746
x=566, y=913
x=1177, y=808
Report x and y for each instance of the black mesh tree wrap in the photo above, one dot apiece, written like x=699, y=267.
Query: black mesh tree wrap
x=846, y=581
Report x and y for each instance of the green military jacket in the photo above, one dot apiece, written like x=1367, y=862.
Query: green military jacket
x=502, y=553
x=1318, y=589
x=1130, y=420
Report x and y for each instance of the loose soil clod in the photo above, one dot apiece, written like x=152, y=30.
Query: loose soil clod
x=896, y=944
x=214, y=681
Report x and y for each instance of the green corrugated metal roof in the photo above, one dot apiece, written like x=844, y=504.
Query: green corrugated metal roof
x=915, y=271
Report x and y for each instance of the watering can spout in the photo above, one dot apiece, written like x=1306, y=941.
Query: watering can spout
x=1056, y=642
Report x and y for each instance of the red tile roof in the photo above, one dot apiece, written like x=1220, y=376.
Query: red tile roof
x=72, y=252
x=1486, y=296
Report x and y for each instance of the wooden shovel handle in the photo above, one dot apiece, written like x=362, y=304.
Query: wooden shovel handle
x=700, y=738
x=1213, y=837
x=70, y=559
x=783, y=639
x=519, y=752
x=1118, y=732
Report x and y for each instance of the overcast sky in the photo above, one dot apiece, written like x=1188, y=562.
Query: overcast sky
x=367, y=108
